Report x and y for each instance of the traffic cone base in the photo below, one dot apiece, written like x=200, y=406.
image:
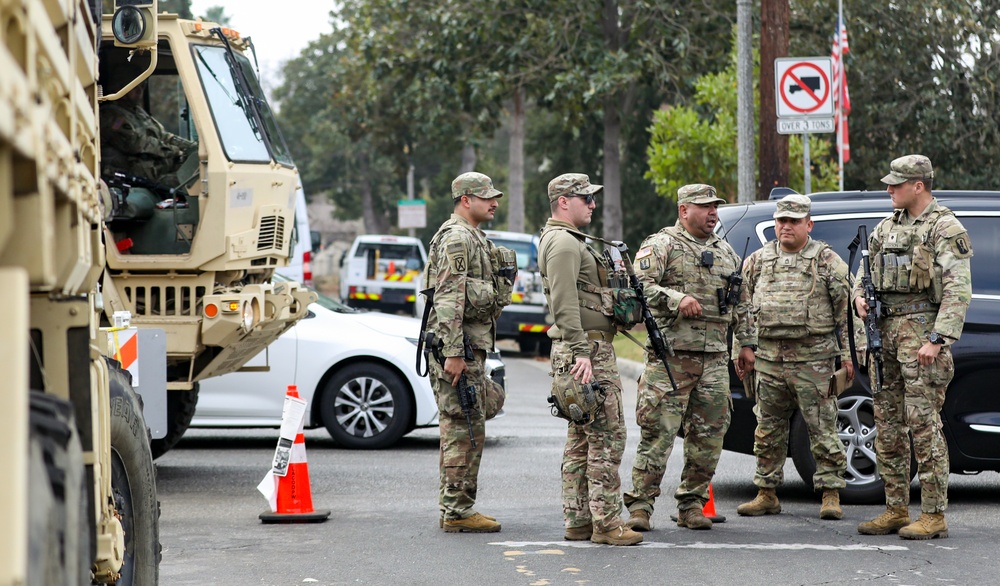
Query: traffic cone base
x=708, y=510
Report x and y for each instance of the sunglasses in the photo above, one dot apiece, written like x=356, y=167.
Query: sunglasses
x=588, y=197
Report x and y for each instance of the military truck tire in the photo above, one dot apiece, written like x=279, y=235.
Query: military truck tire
x=180, y=412
x=133, y=484
x=59, y=542
x=366, y=406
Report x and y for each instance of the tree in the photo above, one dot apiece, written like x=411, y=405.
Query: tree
x=217, y=14
x=922, y=78
x=696, y=144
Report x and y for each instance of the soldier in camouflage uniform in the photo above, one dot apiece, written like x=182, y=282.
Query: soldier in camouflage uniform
x=135, y=143
x=582, y=349
x=462, y=269
x=797, y=300
x=920, y=268
x=682, y=267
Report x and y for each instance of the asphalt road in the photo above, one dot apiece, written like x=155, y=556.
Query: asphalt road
x=384, y=523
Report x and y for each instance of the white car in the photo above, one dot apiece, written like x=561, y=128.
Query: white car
x=356, y=370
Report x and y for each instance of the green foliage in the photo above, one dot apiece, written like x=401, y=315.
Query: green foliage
x=697, y=144
x=922, y=78
x=218, y=15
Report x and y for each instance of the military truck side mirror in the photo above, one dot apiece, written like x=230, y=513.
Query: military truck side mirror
x=134, y=23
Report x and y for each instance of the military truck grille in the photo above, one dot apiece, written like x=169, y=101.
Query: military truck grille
x=170, y=300
x=272, y=232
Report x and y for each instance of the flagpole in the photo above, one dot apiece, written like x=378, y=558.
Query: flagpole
x=840, y=90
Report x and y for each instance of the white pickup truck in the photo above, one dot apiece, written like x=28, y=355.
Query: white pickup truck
x=527, y=318
x=382, y=272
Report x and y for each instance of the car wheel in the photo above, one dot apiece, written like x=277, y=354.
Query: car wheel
x=856, y=430
x=527, y=344
x=366, y=406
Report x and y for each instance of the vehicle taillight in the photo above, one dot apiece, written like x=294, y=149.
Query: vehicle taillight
x=307, y=273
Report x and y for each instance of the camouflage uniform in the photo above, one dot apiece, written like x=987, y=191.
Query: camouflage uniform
x=669, y=265
x=912, y=395
x=593, y=452
x=797, y=303
x=135, y=143
x=468, y=297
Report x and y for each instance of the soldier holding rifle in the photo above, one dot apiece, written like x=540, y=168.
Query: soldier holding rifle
x=468, y=282
x=920, y=269
x=686, y=272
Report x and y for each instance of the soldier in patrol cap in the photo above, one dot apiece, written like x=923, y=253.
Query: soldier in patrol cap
x=921, y=271
x=683, y=268
x=582, y=350
x=798, y=296
x=463, y=270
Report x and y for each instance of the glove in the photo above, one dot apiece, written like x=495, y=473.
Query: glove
x=920, y=271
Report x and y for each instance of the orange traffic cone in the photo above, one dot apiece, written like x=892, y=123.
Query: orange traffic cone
x=294, y=500
x=709, y=509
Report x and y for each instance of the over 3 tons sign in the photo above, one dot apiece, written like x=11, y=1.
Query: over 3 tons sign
x=804, y=87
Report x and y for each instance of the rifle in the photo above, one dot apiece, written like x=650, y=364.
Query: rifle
x=428, y=343
x=730, y=294
x=656, y=339
x=467, y=392
x=872, y=333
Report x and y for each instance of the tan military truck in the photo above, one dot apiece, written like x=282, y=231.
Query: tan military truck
x=198, y=265
x=190, y=262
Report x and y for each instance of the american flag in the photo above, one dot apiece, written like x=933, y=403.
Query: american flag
x=841, y=97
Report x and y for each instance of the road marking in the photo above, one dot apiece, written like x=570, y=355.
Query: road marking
x=701, y=545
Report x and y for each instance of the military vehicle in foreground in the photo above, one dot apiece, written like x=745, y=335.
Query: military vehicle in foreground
x=188, y=262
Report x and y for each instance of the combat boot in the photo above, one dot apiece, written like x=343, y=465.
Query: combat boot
x=582, y=533
x=475, y=524
x=830, y=509
x=891, y=521
x=620, y=535
x=928, y=526
x=639, y=520
x=693, y=519
x=766, y=503
x=441, y=520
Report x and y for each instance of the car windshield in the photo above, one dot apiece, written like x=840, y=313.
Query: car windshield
x=242, y=140
x=525, y=251
x=323, y=300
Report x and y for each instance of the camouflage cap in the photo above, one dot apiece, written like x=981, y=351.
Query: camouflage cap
x=473, y=183
x=793, y=206
x=908, y=168
x=571, y=184
x=698, y=193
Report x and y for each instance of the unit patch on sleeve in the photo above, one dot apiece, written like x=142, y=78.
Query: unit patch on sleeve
x=457, y=258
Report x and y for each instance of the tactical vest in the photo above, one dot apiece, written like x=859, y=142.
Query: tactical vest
x=892, y=265
x=789, y=300
x=696, y=280
x=618, y=303
x=486, y=292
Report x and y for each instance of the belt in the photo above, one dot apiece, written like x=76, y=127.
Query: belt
x=908, y=308
x=600, y=335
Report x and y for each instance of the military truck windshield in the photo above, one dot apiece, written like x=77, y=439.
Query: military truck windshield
x=238, y=130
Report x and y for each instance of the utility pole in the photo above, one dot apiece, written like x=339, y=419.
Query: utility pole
x=746, y=187
x=774, y=17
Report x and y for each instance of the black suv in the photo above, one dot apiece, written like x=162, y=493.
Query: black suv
x=971, y=412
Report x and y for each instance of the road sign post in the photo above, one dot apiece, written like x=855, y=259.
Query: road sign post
x=804, y=91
